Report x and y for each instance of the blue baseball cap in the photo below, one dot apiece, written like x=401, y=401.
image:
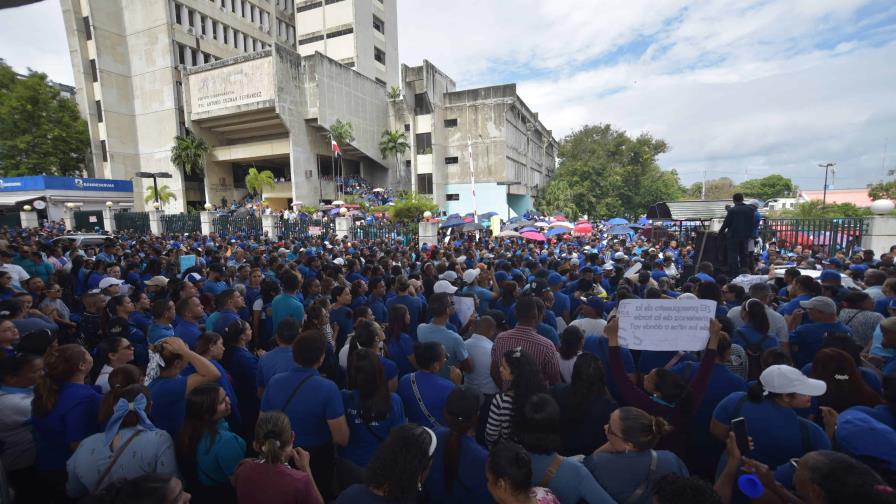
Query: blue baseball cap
x=828, y=276
x=501, y=276
x=195, y=278
x=595, y=303
x=834, y=262
x=860, y=435
x=555, y=278
x=858, y=267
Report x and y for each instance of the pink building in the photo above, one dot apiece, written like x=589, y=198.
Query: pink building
x=858, y=197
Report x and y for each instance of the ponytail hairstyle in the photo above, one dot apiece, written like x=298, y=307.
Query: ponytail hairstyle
x=588, y=382
x=366, y=375
x=461, y=415
x=63, y=363
x=101, y=355
x=756, y=316
x=397, y=321
x=120, y=378
x=272, y=435
x=640, y=429
x=366, y=332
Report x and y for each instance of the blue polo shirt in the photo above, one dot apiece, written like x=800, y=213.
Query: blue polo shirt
x=400, y=351
x=188, y=331
x=469, y=484
x=378, y=307
x=157, y=332
x=219, y=320
x=224, y=382
x=73, y=418
x=342, y=317
x=434, y=391
x=455, y=351
x=807, y=339
x=600, y=346
x=415, y=310
x=561, y=304
x=286, y=306
x=168, y=403
x=218, y=461
x=279, y=360
x=318, y=401
x=365, y=438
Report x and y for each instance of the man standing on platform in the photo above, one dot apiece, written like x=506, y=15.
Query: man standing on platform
x=738, y=230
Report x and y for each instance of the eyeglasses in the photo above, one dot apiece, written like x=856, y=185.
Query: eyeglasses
x=610, y=432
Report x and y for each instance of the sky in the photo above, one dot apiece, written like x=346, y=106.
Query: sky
x=737, y=88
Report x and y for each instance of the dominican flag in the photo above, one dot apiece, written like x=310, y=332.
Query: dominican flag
x=336, y=151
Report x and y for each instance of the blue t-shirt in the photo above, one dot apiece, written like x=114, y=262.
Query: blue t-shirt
x=455, y=351
x=572, y=481
x=318, y=401
x=807, y=340
x=342, y=317
x=600, y=346
x=561, y=304
x=158, y=332
x=882, y=413
x=73, y=418
x=549, y=333
x=243, y=368
x=485, y=297
x=168, y=403
x=188, y=331
x=400, y=351
x=791, y=306
x=775, y=429
x=469, y=485
x=219, y=320
x=722, y=383
x=364, y=438
x=217, y=462
x=415, y=310
x=746, y=335
x=279, y=360
x=434, y=391
x=286, y=306
x=620, y=474
x=378, y=307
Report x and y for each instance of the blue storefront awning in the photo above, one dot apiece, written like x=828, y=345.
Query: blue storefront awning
x=47, y=182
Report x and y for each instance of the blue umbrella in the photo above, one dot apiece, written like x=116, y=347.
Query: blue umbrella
x=526, y=229
x=620, y=230
x=643, y=221
x=452, y=223
x=488, y=215
x=453, y=216
x=556, y=231
x=517, y=218
x=617, y=221
x=334, y=211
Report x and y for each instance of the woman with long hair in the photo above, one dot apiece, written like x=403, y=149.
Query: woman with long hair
x=370, y=409
x=754, y=336
x=282, y=471
x=458, y=465
x=208, y=453
x=341, y=313
x=262, y=318
x=397, y=470
x=399, y=345
x=520, y=371
x=620, y=464
x=111, y=353
x=242, y=367
x=211, y=346
x=369, y=335
x=584, y=402
x=845, y=386
x=64, y=412
x=116, y=321
x=572, y=340
x=509, y=475
x=131, y=446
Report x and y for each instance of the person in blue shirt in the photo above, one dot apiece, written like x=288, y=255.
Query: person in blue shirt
x=341, y=313
x=705, y=272
x=411, y=302
x=313, y=404
x=457, y=473
x=286, y=305
x=163, y=314
x=140, y=317
x=370, y=409
x=561, y=307
x=477, y=282
x=442, y=307
x=189, y=310
x=368, y=334
x=242, y=366
x=755, y=334
x=801, y=289
x=211, y=346
x=424, y=392
x=807, y=339
x=399, y=346
x=229, y=302
x=376, y=301
x=279, y=359
x=64, y=412
x=215, y=283
x=169, y=388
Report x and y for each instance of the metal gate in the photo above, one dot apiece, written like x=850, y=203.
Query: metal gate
x=181, y=223
x=821, y=235
x=89, y=220
x=10, y=219
x=226, y=225
x=137, y=222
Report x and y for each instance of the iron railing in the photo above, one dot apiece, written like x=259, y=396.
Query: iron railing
x=181, y=223
x=384, y=230
x=226, y=225
x=137, y=222
x=821, y=235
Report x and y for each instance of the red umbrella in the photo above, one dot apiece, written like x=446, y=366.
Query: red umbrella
x=533, y=235
x=582, y=228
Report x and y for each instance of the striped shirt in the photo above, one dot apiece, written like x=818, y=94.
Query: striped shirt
x=540, y=348
x=500, y=414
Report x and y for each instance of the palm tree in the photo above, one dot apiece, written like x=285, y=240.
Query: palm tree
x=341, y=133
x=165, y=194
x=393, y=93
x=256, y=181
x=189, y=153
x=395, y=143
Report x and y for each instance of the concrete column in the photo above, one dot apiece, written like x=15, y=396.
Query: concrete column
x=428, y=233
x=109, y=219
x=205, y=222
x=208, y=27
x=881, y=234
x=155, y=222
x=68, y=218
x=29, y=219
x=221, y=33
x=343, y=227
x=184, y=15
x=240, y=41
x=269, y=225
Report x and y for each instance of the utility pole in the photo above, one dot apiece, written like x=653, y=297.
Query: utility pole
x=472, y=176
x=826, y=166
x=703, y=191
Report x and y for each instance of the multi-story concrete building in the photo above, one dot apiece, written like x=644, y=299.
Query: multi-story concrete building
x=484, y=137
x=360, y=34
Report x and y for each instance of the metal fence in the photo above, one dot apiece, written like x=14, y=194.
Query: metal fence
x=132, y=221
x=226, y=225
x=385, y=230
x=821, y=235
x=181, y=223
x=303, y=228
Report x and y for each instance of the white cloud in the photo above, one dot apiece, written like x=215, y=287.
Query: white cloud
x=34, y=36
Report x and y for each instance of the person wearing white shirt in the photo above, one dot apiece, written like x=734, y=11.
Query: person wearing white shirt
x=777, y=324
x=19, y=275
x=591, y=324
x=479, y=346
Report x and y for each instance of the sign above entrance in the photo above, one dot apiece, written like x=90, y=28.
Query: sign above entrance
x=41, y=182
x=237, y=84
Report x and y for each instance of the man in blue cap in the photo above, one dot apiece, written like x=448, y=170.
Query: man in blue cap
x=561, y=307
x=834, y=282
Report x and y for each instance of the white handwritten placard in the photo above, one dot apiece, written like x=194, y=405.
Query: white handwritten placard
x=464, y=307
x=665, y=324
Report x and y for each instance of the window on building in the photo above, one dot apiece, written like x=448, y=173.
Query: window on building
x=202, y=20
x=181, y=59
x=407, y=127
x=177, y=18
x=452, y=197
x=421, y=104
x=191, y=18
x=379, y=81
x=450, y=123
x=379, y=55
x=424, y=183
x=99, y=111
x=331, y=2
x=350, y=63
x=311, y=40
x=93, y=71
x=88, y=32
x=451, y=160
x=407, y=163
x=339, y=33
x=104, y=151
x=308, y=7
x=194, y=57
x=424, y=143
x=378, y=25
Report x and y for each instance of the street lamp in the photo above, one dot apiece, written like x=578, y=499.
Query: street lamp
x=109, y=204
x=824, y=197
x=26, y=208
x=155, y=183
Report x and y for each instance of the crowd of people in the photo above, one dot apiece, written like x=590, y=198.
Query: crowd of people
x=324, y=369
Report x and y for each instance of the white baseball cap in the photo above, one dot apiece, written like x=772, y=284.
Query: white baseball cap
x=820, y=303
x=783, y=379
x=109, y=281
x=448, y=275
x=340, y=261
x=619, y=256
x=444, y=286
x=470, y=275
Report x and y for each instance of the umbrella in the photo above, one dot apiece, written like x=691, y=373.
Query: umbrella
x=562, y=224
x=487, y=215
x=518, y=224
x=542, y=224
x=620, y=230
x=528, y=229
x=516, y=219
x=472, y=226
x=556, y=231
x=617, y=221
x=452, y=223
x=560, y=217
x=468, y=218
x=508, y=234
x=378, y=189
x=636, y=226
x=338, y=202
x=583, y=228
x=453, y=216
x=532, y=235
x=334, y=211
x=643, y=221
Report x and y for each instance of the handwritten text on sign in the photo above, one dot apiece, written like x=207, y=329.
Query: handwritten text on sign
x=665, y=324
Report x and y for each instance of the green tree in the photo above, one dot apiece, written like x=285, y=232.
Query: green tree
x=256, y=181
x=815, y=209
x=606, y=173
x=558, y=197
x=41, y=132
x=165, y=194
x=395, y=143
x=766, y=188
x=409, y=207
x=393, y=93
x=721, y=188
x=882, y=189
x=189, y=153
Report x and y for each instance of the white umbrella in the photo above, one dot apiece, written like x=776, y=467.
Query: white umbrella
x=542, y=224
x=508, y=234
x=567, y=225
x=338, y=202
x=379, y=189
